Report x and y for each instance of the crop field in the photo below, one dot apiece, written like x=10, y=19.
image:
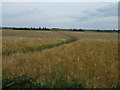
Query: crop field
x=12, y=43
x=59, y=59
x=0, y=58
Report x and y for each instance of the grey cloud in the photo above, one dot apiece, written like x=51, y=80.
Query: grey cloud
x=111, y=10
x=72, y=17
x=105, y=17
x=108, y=11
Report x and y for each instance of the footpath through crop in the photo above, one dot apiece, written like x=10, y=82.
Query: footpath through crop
x=39, y=48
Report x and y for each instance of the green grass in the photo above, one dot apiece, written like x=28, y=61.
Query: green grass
x=116, y=86
x=20, y=82
x=29, y=82
x=24, y=81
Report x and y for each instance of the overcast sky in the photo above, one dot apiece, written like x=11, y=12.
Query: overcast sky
x=89, y=15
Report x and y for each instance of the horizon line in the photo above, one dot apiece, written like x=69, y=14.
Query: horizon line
x=53, y=27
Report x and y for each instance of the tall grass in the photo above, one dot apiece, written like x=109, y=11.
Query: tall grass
x=92, y=63
x=23, y=44
x=0, y=58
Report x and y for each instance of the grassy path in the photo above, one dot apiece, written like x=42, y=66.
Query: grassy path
x=39, y=48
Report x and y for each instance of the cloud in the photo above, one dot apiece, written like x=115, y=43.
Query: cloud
x=111, y=10
x=105, y=17
x=107, y=11
x=62, y=15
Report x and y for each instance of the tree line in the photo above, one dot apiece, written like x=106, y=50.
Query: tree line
x=57, y=29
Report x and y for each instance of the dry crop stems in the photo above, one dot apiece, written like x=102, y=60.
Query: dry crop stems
x=91, y=62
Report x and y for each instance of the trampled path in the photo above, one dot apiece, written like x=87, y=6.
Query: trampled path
x=39, y=48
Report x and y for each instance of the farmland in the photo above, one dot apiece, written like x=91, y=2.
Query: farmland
x=68, y=59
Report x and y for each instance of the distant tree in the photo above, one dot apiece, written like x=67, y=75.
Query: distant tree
x=74, y=29
x=31, y=28
x=44, y=28
x=39, y=28
x=98, y=30
x=113, y=29
x=80, y=29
